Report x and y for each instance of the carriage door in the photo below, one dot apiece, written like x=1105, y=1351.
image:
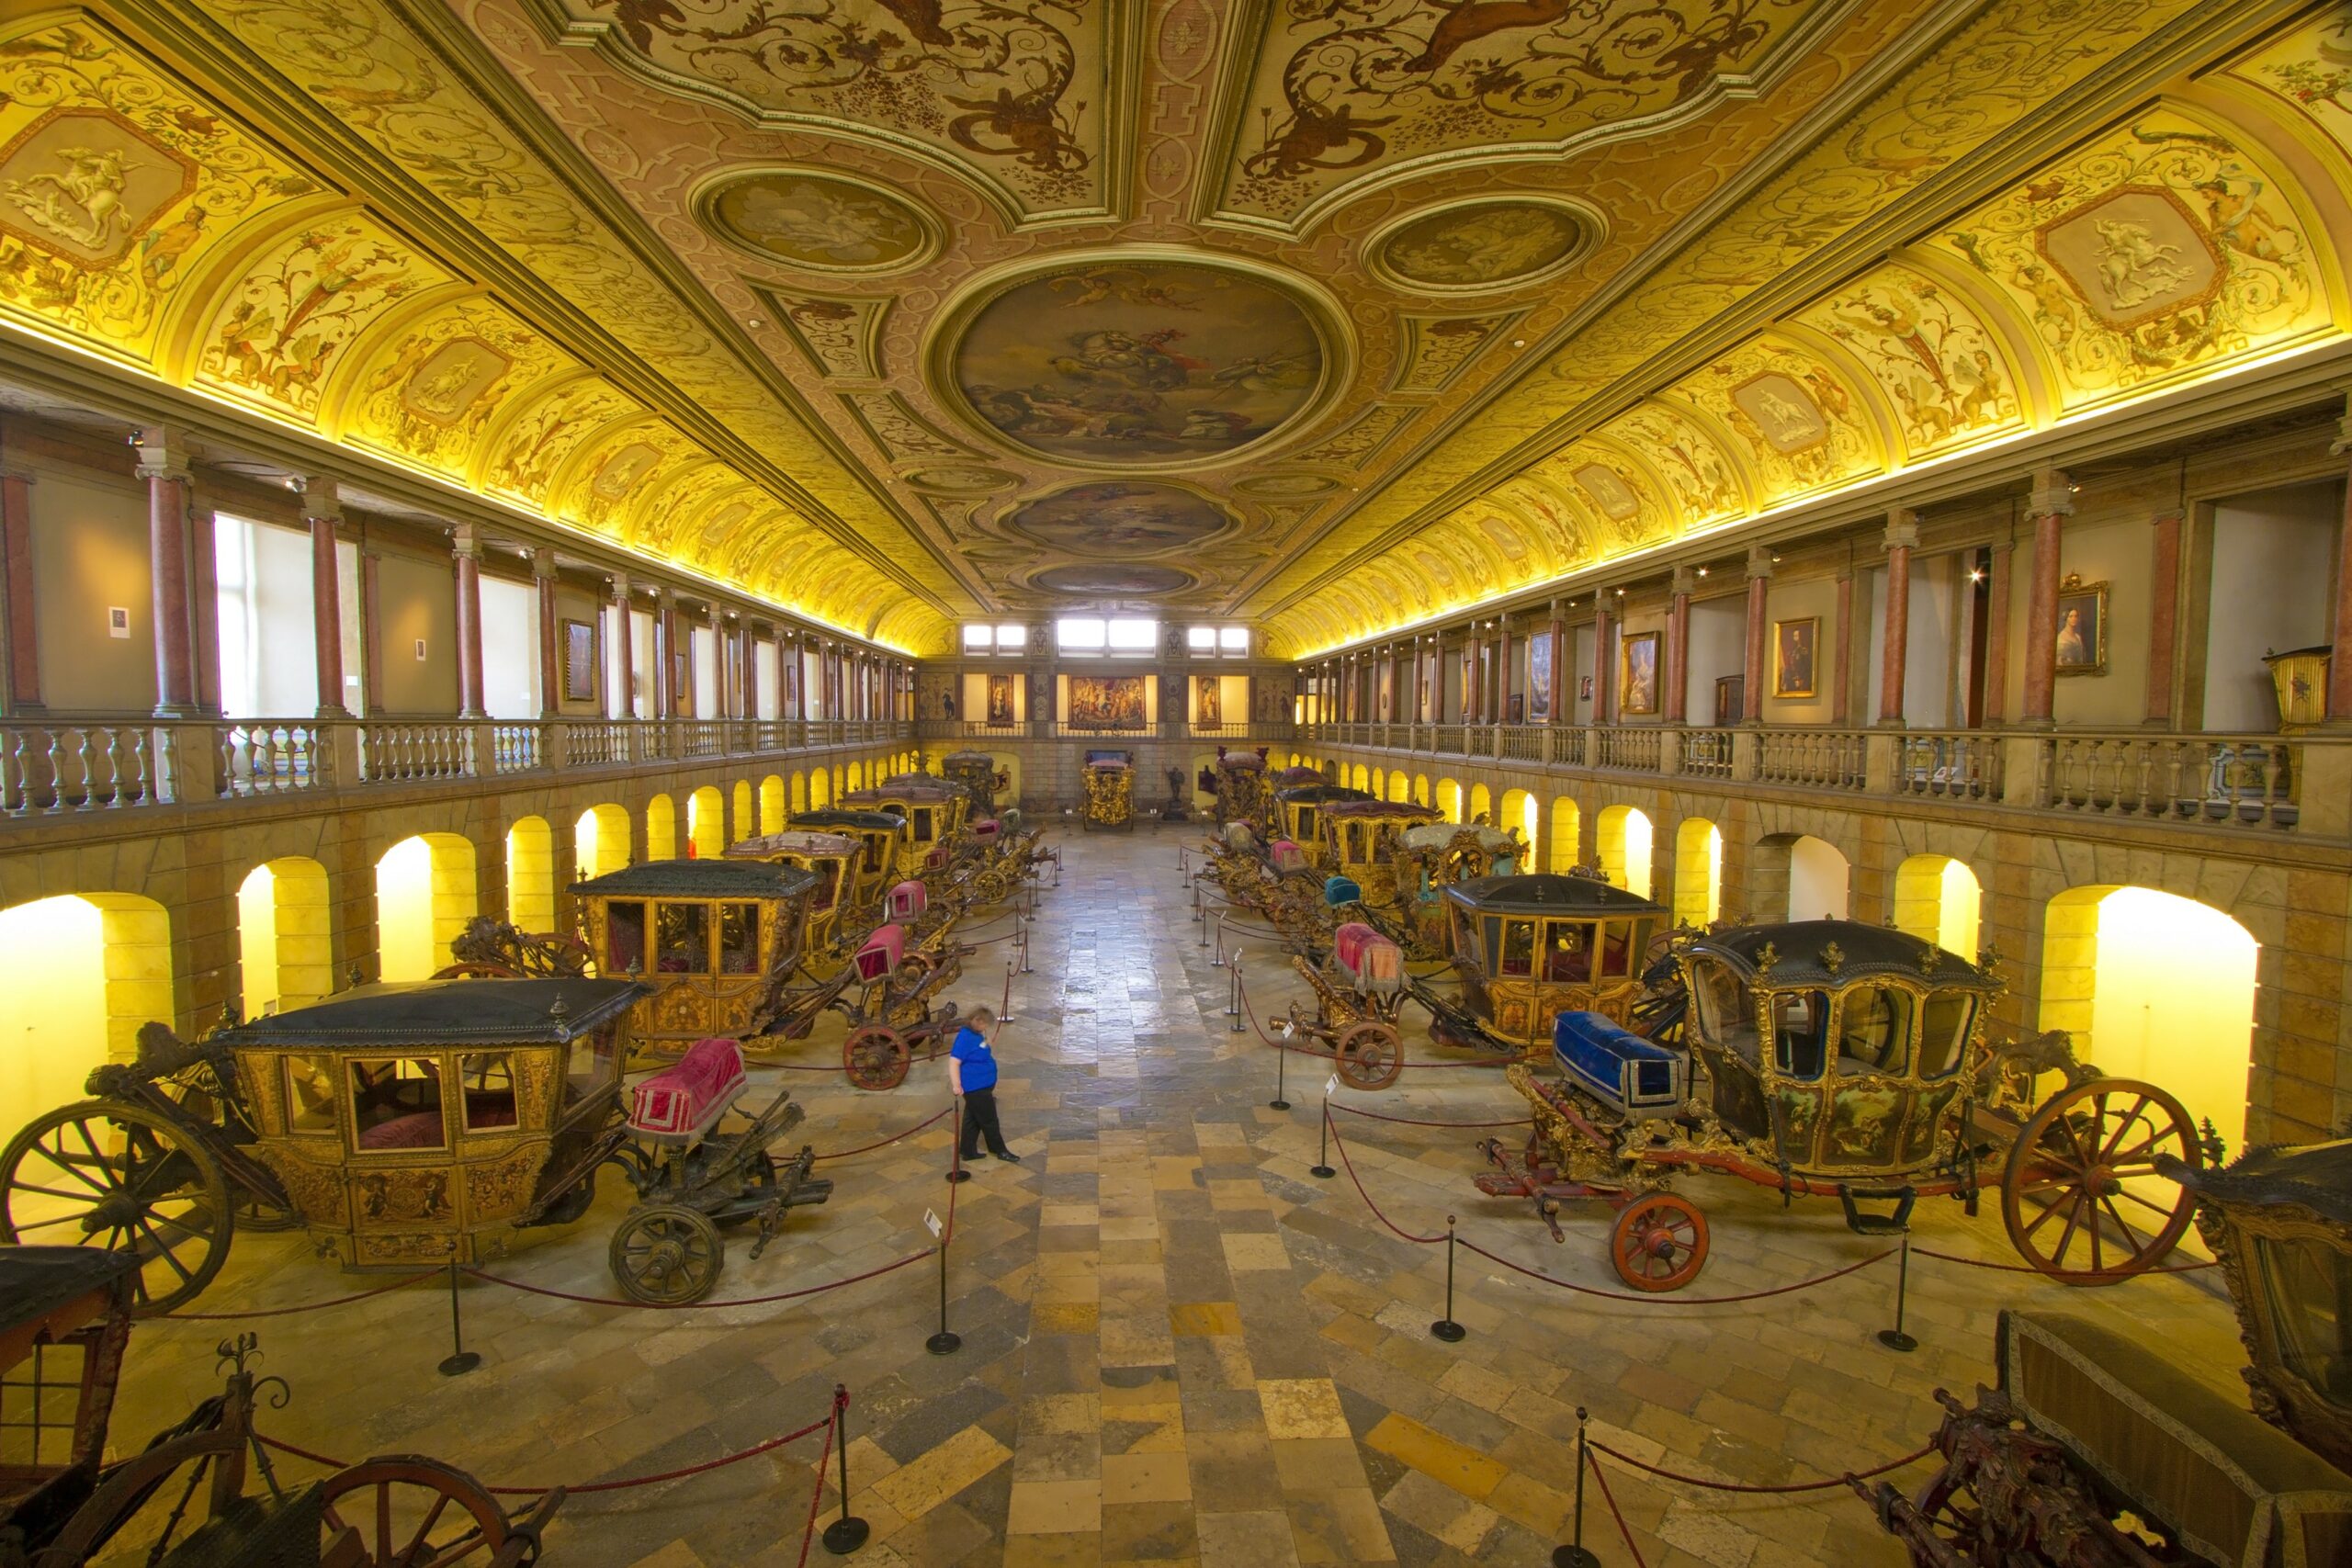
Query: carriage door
x=1873, y=1096
x=737, y=981
x=681, y=969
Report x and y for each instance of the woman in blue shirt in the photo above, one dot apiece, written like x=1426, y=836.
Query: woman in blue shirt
x=971, y=1073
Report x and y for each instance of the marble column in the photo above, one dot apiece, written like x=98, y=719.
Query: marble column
x=1841, y=666
x=2053, y=502
x=1604, y=667
x=748, y=656
x=1674, y=680
x=2164, y=618
x=543, y=578
x=322, y=512
x=465, y=548
x=1502, y=671
x=2339, y=668
x=1756, y=666
x=371, y=633
x=623, y=701
x=1902, y=537
x=665, y=654
x=1555, y=687
x=162, y=463
x=1997, y=635
x=23, y=650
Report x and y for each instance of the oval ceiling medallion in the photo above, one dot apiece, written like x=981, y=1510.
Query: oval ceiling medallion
x=1118, y=517
x=957, y=479
x=1136, y=361
x=1288, y=487
x=1471, y=247
x=822, y=222
x=1111, y=578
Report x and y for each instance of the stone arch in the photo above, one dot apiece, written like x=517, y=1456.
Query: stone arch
x=705, y=824
x=1938, y=899
x=772, y=808
x=1401, y=788
x=1421, y=789
x=285, y=943
x=1481, y=804
x=2157, y=987
x=1698, y=872
x=1449, y=799
x=530, y=874
x=820, y=789
x=424, y=896
x=1627, y=843
x=660, y=829
x=1523, y=811
x=600, y=841
x=797, y=797
x=1568, y=826
x=83, y=971
x=742, y=814
x=1378, y=788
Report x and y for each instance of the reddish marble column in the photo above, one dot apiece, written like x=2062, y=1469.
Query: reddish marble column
x=623, y=701
x=164, y=468
x=2052, y=501
x=665, y=655
x=203, y=602
x=16, y=583
x=1902, y=538
x=1997, y=636
x=1604, y=666
x=1842, y=662
x=1503, y=671
x=1754, y=668
x=371, y=634
x=2164, y=618
x=1675, y=679
x=543, y=580
x=2339, y=668
x=322, y=508
x=465, y=548
x=1556, y=688
x=749, y=656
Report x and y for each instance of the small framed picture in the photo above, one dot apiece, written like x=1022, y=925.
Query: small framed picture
x=1794, y=644
x=118, y=620
x=579, y=661
x=2081, y=626
x=420, y=651
x=1638, y=686
x=1583, y=688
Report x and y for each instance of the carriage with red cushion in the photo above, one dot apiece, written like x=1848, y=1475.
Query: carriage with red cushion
x=1359, y=988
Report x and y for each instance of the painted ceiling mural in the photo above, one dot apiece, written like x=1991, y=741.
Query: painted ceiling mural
x=1337, y=313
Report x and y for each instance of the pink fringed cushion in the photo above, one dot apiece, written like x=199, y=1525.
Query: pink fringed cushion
x=1288, y=856
x=908, y=899
x=681, y=1096
x=1372, y=960
x=985, y=829
x=417, y=1130
x=934, y=859
x=881, y=952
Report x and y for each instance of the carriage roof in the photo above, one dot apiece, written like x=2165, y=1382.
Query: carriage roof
x=1437, y=835
x=928, y=791
x=720, y=879
x=1545, y=893
x=1801, y=956
x=1109, y=764
x=1401, y=810
x=1247, y=761
x=36, y=1282
x=969, y=757
x=1321, y=794
x=792, y=842
x=2317, y=1177
x=403, y=1013
x=865, y=822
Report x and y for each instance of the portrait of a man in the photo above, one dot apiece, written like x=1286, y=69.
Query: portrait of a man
x=2081, y=627
x=1638, y=684
x=1793, y=648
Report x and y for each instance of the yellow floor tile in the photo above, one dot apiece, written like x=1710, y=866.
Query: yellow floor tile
x=1437, y=1456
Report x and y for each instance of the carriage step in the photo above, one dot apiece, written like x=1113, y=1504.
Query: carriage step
x=1892, y=1223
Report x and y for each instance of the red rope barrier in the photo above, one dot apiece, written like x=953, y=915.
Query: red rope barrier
x=1340, y=1143
x=306, y=1306
x=1754, y=1490
x=699, y=1306
x=1411, y=1121
x=817, y=1491
x=621, y=1486
x=870, y=1148
x=2062, y=1273
x=1610, y=1497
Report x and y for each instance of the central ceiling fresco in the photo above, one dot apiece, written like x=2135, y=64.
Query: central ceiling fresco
x=1333, y=313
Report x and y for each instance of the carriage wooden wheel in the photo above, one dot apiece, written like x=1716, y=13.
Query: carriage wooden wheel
x=155, y=1500
x=1369, y=1055
x=110, y=1174
x=2081, y=1196
x=667, y=1254
x=419, y=1513
x=1659, y=1242
x=875, y=1056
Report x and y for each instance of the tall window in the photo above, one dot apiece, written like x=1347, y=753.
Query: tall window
x=263, y=607
x=996, y=639
x=1205, y=642
x=1132, y=634
x=1082, y=634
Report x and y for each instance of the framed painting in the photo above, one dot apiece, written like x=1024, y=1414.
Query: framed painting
x=1000, y=699
x=1795, y=645
x=1205, y=705
x=1539, y=678
x=1106, y=702
x=1638, y=674
x=2081, y=626
x=579, y=661
x=1583, y=689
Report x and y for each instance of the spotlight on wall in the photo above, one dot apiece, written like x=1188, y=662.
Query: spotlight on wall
x=1977, y=575
x=1702, y=571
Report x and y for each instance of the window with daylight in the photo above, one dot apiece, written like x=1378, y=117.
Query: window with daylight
x=979, y=639
x=1208, y=642
x=1079, y=633
x=1201, y=639
x=1134, y=634
x=1233, y=639
x=996, y=639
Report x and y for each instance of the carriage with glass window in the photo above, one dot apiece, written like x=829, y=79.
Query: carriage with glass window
x=933, y=810
x=1298, y=816
x=1239, y=781
x=1828, y=1059
x=711, y=939
x=886, y=842
x=1360, y=841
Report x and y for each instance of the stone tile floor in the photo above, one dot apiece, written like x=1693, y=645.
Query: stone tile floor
x=1178, y=1345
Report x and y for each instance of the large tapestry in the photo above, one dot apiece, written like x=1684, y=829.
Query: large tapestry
x=1106, y=702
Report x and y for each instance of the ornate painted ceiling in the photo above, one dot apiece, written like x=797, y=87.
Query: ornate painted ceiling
x=1339, y=314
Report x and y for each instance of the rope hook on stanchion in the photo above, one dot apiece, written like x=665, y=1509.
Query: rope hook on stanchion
x=1576, y=1554
x=1281, y=1063
x=956, y=1173
x=1321, y=1169
x=1445, y=1328
x=459, y=1361
x=1895, y=1338
x=847, y=1533
x=1024, y=954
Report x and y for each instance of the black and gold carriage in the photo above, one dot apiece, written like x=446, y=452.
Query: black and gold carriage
x=934, y=812
x=1238, y=780
x=1298, y=816
x=1109, y=781
x=709, y=938
x=1834, y=1059
x=979, y=776
x=182, y=1501
x=1530, y=948
x=836, y=922
x=887, y=841
x=1361, y=840
x=2096, y=1447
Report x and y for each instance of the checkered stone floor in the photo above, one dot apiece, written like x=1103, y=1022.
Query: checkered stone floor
x=1179, y=1347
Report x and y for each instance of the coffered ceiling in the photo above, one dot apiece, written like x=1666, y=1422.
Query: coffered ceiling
x=1335, y=313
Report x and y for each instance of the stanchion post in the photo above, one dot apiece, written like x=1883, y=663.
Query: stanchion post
x=1024, y=954
x=1895, y=1338
x=1183, y=868
x=1576, y=1554
x=1321, y=1169
x=847, y=1533
x=1004, y=1009
x=945, y=1342
x=1216, y=955
x=459, y=1361
x=1234, y=1013
x=1281, y=1063
x=1445, y=1328
x=956, y=1171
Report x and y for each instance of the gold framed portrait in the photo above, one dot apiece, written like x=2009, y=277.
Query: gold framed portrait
x=1797, y=646
x=2081, y=626
x=1637, y=673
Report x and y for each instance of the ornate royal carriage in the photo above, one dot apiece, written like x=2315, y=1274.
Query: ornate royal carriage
x=1239, y=783
x=1298, y=816
x=977, y=775
x=1530, y=948
x=711, y=939
x=835, y=922
x=1109, y=779
x=933, y=810
x=1834, y=1059
x=1361, y=841
x=887, y=843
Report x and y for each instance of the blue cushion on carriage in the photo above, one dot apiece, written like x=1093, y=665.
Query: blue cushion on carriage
x=1618, y=1066
x=1339, y=890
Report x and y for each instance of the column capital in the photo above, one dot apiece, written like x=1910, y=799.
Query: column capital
x=1684, y=582
x=163, y=453
x=465, y=539
x=622, y=588
x=1901, y=529
x=2343, y=442
x=2053, y=494
x=321, y=499
x=1759, y=560
x=543, y=561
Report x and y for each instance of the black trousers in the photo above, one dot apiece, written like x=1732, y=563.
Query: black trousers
x=979, y=1122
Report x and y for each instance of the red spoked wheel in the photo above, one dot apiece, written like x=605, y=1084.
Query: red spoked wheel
x=409, y=1511
x=1659, y=1243
x=2081, y=1196
x=875, y=1057
x=1369, y=1055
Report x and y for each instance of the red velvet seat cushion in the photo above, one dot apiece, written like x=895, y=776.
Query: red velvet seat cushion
x=683, y=1095
x=417, y=1130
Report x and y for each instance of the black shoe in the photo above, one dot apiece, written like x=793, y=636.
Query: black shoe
x=1009, y=1157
